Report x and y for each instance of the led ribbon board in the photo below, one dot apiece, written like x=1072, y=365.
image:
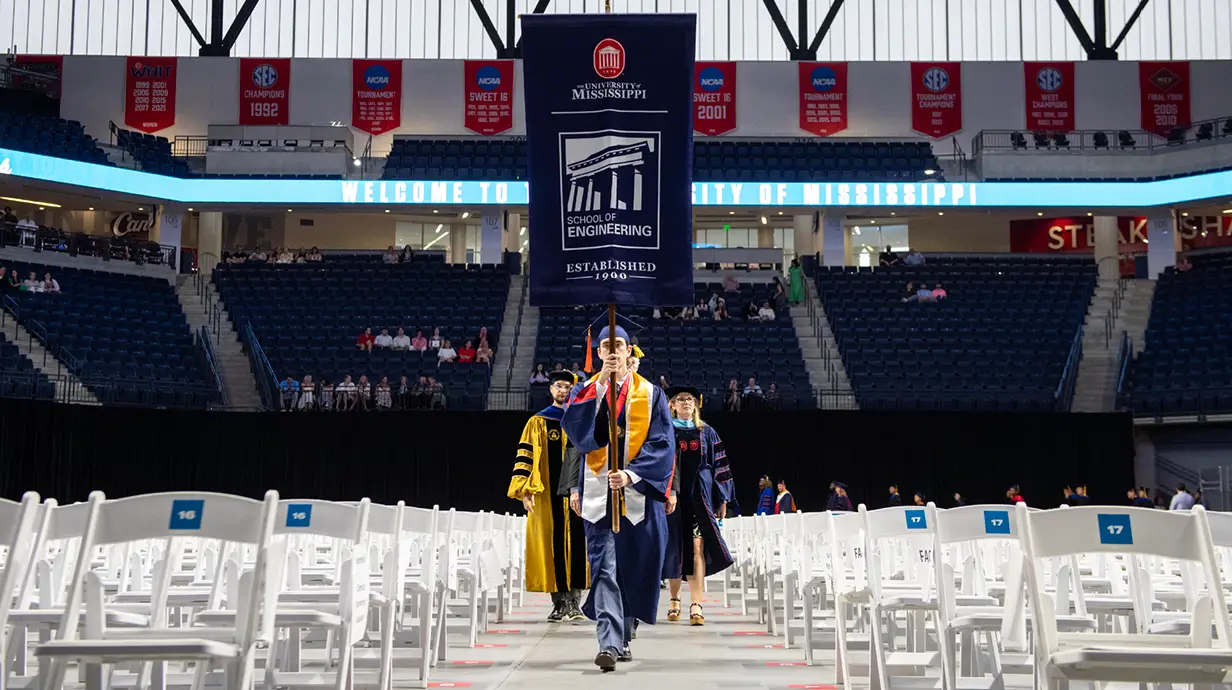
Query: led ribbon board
x=514, y=193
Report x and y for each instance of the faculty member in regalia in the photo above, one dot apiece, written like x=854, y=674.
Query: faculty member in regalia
x=544, y=473
x=695, y=546
x=625, y=567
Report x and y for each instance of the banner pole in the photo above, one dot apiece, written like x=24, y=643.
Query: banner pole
x=607, y=6
x=613, y=457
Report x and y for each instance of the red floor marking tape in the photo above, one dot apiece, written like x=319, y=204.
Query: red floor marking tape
x=767, y=646
x=812, y=687
x=785, y=663
x=471, y=662
x=751, y=632
x=489, y=646
x=505, y=632
x=436, y=684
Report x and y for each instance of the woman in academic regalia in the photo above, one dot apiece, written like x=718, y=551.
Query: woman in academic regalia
x=695, y=547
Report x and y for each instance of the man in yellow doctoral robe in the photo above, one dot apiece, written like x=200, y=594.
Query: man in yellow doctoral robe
x=543, y=474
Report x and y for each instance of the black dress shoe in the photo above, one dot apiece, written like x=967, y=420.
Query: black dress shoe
x=606, y=661
x=557, y=614
x=625, y=655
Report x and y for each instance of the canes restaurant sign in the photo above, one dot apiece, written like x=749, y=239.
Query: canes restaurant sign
x=135, y=225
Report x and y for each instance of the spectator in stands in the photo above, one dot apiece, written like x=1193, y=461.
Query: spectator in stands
x=408, y=255
x=390, y=256
x=703, y=308
x=483, y=353
x=1014, y=494
x=914, y=258
x=384, y=395
x=421, y=393
x=446, y=354
x=779, y=300
x=50, y=284
x=467, y=353
x=959, y=501
x=730, y=284
x=939, y=293
x=688, y=314
x=577, y=371
x=889, y=258
x=301, y=257
x=289, y=389
x=483, y=334
x=365, y=340
x=434, y=343
x=436, y=394
x=750, y=312
x=285, y=256
x=795, y=277
x=766, y=313
x=919, y=499
x=404, y=393
x=733, y=396
x=751, y=388
x=923, y=294
x=895, y=499
x=539, y=377
x=258, y=256
x=909, y=293
x=14, y=280
x=663, y=382
x=720, y=312
x=401, y=341
x=314, y=254
x=327, y=394
x=348, y=394
x=365, y=393
x=307, y=393
x=1183, y=500
x=419, y=343
x=384, y=339
x=714, y=300
x=4, y=277
x=8, y=216
x=771, y=398
x=1183, y=264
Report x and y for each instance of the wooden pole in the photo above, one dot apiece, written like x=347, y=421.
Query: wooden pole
x=613, y=455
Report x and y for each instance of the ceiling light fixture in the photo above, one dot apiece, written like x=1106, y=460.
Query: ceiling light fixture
x=387, y=210
x=466, y=214
x=763, y=220
x=19, y=200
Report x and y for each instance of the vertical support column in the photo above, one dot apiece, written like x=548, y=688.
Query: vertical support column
x=490, y=241
x=802, y=236
x=834, y=245
x=457, y=244
x=513, y=233
x=1163, y=240
x=1106, y=251
x=209, y=240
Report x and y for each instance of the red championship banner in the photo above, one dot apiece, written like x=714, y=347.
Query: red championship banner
x=42, y=73
x=376, y=95
x=1050, y=96
x=265, y=88
x=823, y=97
x=489, y=96
x=936, y=98
x=1164, y=89
x=714, y=97
x=1048, y=235
x=149, y=93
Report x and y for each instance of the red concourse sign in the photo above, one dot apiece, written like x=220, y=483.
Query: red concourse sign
x=265, y=88
x=149, y=93
x=489, y=96
x=714, y=98
x=1046, y=235
x=936, y=98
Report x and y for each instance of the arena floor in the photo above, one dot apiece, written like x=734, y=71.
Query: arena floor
x=731, y=652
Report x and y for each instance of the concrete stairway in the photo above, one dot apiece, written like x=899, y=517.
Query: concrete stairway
x=233, y=366
x=68, y=388
x=821, y=355
x=1095, y=389
x=511, y=371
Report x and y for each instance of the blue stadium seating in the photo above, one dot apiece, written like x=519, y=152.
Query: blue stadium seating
x=1186, y=366
x=48, y=136
x=713, y=160
x=307, y=316
x=998, y=342
x=703, y=353
x=152, y=153
x=18, y=378
x=124, y=336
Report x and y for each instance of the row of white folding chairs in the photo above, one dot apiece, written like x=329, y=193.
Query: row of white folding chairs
x=209, y=578
x=881, y=564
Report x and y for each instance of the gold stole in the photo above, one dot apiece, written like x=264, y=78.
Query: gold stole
x=637, y=423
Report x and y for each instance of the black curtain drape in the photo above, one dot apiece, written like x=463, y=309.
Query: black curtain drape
x=463, y=459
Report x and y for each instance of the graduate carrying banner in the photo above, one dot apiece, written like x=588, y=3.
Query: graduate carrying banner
x=609, y=126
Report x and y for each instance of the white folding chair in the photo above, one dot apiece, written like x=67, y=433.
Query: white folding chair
x=1131, y=657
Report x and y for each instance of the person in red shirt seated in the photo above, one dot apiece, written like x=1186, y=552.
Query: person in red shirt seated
x=365, y=340
x=1014, y=494
x=467, y=353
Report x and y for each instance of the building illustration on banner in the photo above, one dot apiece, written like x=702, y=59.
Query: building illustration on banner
x=609, y=182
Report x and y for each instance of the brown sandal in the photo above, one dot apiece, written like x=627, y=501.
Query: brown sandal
x=696, y=618
x=673, y=611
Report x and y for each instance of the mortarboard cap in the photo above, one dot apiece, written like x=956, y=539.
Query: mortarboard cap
x=673, y=391
x=620, y=333
x=567, y=376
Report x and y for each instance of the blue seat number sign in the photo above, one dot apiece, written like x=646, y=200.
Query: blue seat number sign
x=186, y=513
x=1115, y=529
x=299, y=514
x=996, y=522
x=916, y=519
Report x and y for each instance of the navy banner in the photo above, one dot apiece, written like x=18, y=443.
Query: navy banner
x=609, y=122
